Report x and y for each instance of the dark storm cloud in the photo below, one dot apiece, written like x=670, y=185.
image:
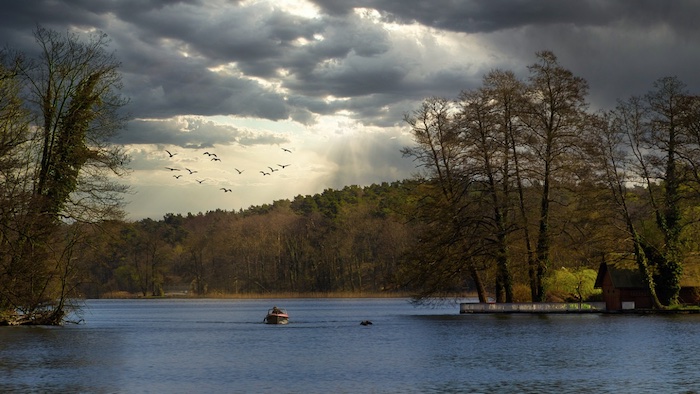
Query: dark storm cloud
x=192, y=90
x=256, y=36
x=192, y=133
x=150, y=37
x=484, y=16
x=349, y=81
x=618, y=60
x=341, y=57
x=344, y=58
x=620, y=47
x=159, y=80
x=256, y=60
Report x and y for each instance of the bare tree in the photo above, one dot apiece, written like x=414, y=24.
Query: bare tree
x=451, y=244
x=488, y=127
x=554, y=116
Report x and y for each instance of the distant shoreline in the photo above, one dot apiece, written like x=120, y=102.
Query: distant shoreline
x=182, y=295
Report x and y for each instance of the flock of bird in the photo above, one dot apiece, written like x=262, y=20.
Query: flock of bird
x=213, y=157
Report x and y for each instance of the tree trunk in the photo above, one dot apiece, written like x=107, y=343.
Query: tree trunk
x=480, y=288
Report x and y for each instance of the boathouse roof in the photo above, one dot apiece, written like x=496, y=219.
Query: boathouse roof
x=624, y=272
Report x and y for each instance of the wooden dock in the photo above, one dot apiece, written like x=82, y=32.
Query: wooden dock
x=533, y=307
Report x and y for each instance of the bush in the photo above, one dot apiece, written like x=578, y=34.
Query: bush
x=572, y=285
x=522, y=293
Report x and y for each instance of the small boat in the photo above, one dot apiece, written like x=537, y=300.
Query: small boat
x=276, y=315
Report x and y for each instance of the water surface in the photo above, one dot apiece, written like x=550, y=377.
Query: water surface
x=221, y=346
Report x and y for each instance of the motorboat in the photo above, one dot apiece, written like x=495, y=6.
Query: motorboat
x=276, y=315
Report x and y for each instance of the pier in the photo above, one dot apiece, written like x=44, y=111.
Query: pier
x=533, y=307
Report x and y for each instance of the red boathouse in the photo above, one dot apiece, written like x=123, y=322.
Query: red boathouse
x=624, y=289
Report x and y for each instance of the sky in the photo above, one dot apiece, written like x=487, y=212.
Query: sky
x=321, y=87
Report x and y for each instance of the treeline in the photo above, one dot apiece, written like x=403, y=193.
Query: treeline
x=357, y=240
x=351, y=240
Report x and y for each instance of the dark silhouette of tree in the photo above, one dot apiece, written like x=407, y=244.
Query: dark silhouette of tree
x=488, y=126
x=71, y=90
x=451, y=241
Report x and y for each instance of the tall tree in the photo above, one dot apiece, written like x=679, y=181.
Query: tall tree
x=554, y=116
x=451, y=243
x=619, y=141
x=72, y=91
x=661, y=141
x=488, y=126
x=669, y=140
x=15, y=183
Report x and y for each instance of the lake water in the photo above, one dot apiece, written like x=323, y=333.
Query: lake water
x=222, y=346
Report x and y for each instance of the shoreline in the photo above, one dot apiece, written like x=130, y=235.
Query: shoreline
x=280, y=295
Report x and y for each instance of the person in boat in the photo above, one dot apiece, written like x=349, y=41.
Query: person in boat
x=276, y=310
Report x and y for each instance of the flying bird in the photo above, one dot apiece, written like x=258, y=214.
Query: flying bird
x=225, y=190
x=191, y=171
x=272, y=169
x=200, y=181
x=284, y=165
x=177, y=176
x=264, y=173
x=286, y=150
x=215, y=159
x=208, y=154
x=170, y=154
x=239, y=171
x=172, y=169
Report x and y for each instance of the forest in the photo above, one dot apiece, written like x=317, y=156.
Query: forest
x=520, y=193
x=350, y=241
x=354, y=241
